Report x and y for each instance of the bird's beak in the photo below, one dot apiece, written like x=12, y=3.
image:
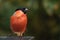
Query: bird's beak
x=26, y=10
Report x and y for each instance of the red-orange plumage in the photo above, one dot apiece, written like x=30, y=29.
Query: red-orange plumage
x=18, y=22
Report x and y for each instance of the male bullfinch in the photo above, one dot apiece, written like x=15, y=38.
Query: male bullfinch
x=18, y=21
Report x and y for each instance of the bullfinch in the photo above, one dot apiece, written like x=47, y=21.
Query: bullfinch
x=18, y=21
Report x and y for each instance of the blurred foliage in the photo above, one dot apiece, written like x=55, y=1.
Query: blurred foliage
x=43, y=18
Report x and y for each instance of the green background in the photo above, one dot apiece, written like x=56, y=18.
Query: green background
x=43, y=18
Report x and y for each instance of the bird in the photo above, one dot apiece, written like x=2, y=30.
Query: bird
x=18, y=21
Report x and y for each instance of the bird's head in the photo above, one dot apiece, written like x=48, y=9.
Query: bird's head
x=25, y=10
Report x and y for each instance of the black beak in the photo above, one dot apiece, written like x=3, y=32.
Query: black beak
x=25, y=11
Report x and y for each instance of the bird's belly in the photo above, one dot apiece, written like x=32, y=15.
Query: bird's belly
x=18, y=28
x=19, y=25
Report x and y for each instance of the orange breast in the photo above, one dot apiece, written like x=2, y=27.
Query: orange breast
x=18, y=24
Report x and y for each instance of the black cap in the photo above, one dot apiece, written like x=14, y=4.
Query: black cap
x=23, y=9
